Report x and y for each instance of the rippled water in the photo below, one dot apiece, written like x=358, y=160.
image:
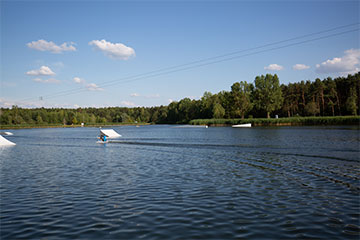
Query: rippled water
x=175, y=182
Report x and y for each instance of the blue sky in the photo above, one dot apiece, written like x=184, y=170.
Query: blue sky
x=50, y=49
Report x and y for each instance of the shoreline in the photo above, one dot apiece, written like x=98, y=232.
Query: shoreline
x=256, y=122
x=292, y=121
x=4, y=127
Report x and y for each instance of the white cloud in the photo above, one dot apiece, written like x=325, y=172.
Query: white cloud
x=42, y=71
x=113, y=50
x=300, y=67
x=88, y=86
x=274, y=67
x=128, y=104
x=50, y=80
x=43, y=45
x=78, y=80
x=170, y=100
x=6, y=103
x=93, y=87
x=134, y=95
x=347, y=64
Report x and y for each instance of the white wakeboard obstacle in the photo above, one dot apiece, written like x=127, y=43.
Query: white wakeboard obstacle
x=109, y=133
x=6, y=133
x=5, y=142
x=242, y=125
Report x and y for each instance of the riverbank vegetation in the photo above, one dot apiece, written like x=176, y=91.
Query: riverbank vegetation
x=265, y=97
x=292, y=121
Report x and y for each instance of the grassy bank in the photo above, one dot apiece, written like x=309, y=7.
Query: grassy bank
x=293, y=121
x=21, y=126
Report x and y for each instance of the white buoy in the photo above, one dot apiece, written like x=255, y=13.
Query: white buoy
x=5, y=142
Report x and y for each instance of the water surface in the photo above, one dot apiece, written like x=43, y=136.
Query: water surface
x=178, y=182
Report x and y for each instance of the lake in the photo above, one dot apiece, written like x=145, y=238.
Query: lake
x=182, y=182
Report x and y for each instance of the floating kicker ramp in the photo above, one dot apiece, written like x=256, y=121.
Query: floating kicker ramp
x=109, y=133
x=5, y=142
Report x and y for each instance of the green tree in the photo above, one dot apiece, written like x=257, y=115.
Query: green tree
x=155, y=116
x=303, y=92
x=225, y=100
x=331, y=95
x=92, y=118
x=74, y=120
x=39, y=119
x=218, y=111
x=173, y=112
x=351, y=102
x=319, y=88
x=268, y=95
x=101, y=120
x=5, y=117
x=163, y=114
x=241, y=99
x=185, y=110
x=207, y=105
x=312, y=108
x=125, y=118
x=286, y=106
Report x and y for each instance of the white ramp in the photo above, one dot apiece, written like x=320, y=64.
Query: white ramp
x=109, y=133
x=242, y=125
x=6, y=133
x=5, y=142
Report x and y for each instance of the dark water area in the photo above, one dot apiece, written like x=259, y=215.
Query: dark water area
x=179, y=182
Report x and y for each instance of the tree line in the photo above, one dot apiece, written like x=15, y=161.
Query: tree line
x=265, y=97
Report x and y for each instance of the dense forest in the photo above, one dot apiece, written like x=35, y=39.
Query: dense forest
x=265, y=97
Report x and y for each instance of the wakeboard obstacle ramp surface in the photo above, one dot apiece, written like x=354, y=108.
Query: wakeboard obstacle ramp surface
x=6, y=133
x=5, y=142
x=109, y=133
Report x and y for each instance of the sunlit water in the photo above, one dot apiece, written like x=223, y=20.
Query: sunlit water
x=176, y=182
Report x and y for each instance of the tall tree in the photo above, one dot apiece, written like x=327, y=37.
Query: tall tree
x=351, y=102
x=286, y=106
x=303, y=91
x=268, y=95
x=241, y=94
x=319, y=88
x=226, y=102
x=218, y=111
x=312, y=108
x=207, y=105
x=331, y=95
x=184, y=108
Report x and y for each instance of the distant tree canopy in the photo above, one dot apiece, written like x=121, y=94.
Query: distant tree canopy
x=241, y=98
x=266, y=97
x=267, y=93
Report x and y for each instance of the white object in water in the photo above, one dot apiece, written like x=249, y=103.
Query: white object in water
x=109, y=133
x=242, y=125
x=6, y=133
x=5, y=142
